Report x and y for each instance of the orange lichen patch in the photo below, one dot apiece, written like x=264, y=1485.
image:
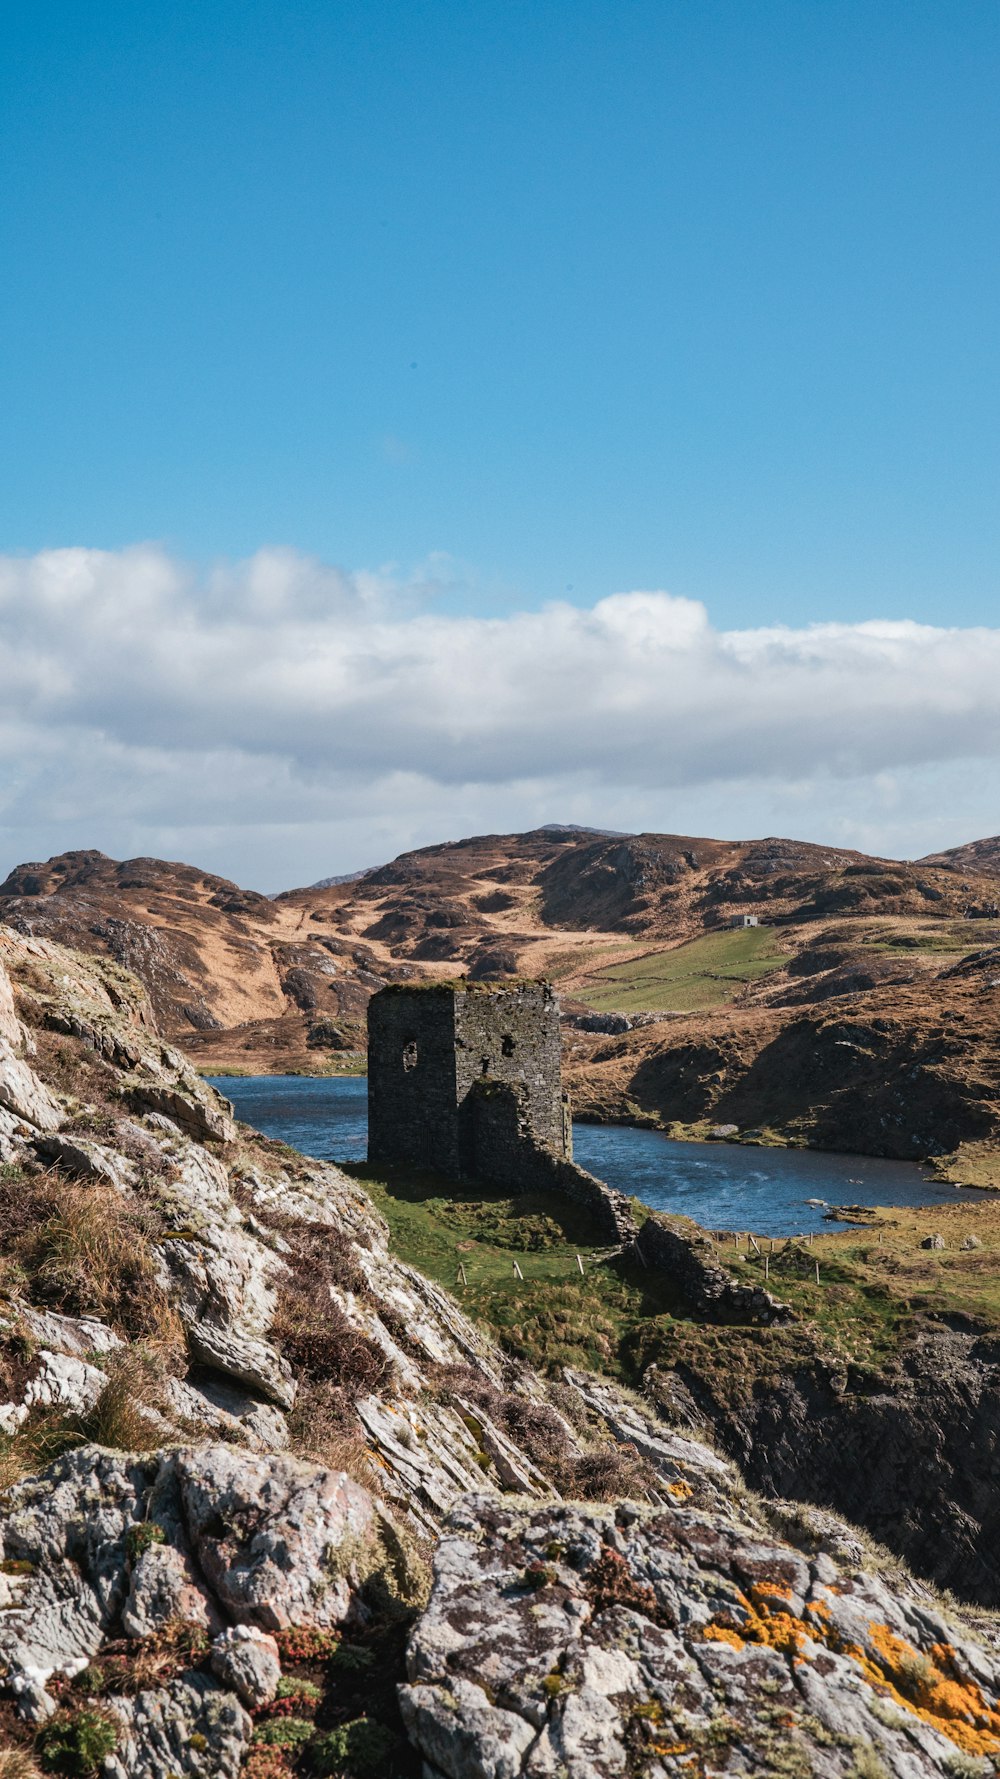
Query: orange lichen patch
x=775, y=1630
x=927, y=1685
x=818, y=1609
x=766, y=1590
x=680, y=1490
x=930, y=1686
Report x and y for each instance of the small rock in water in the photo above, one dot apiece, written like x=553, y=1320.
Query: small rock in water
x=815, y=1201
x=933, y=1241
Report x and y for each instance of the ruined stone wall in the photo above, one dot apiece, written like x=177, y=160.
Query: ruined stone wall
x=511, y=1033
x=503, y=1150
x=686, y=1256
x=427, y=1049
x=412, y=1103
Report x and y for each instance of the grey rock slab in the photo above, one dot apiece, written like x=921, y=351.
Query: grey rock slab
x=23, y=1094
x=11, y=1029
x=240, y=1356
x=248, y=1662
x=87, y=1160
x=225, y=1409
x=193, y=1726
x=76, y=1335
x=205, y=1116
x=281, y=1542
x=62, y=1381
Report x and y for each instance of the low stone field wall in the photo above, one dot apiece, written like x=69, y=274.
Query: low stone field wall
x=688, y=1258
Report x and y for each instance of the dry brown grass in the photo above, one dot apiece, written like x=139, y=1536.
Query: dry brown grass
x=18, y=1763
x=323, y=1427
x=530, y=1424
x=84, y=1249
x=45, y=1435
x=135, y=1382
x=309, y=1326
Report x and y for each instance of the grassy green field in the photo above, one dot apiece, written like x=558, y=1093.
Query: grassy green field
x=554, y=1315
x=617, y=1316
x=705, y=972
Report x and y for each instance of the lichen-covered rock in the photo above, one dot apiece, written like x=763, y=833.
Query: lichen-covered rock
x=281, y=1542
x=594, y=1642
x=207, y=1535
x=192, y=1726
x=247, y=1661
x=63, y=1541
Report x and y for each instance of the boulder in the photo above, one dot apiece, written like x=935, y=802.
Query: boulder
x=247, y=1661
x=208, y=1534
x=595, y=1642
x=280, y=1542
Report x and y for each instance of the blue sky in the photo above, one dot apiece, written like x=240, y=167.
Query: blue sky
x=500, y=305
x=589, y=296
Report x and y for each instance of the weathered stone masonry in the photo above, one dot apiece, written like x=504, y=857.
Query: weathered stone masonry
x=465, y=1079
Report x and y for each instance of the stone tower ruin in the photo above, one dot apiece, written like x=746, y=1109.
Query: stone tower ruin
x=465, y=1080
x=430, y=1046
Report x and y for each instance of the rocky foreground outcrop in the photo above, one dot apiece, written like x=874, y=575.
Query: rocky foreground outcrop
x=233, y=1424
x=686, y=1639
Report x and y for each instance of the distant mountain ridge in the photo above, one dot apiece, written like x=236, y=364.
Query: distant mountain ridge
x=978, y=857
x=271, y=984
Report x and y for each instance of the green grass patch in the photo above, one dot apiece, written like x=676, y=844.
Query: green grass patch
x=553, y=1315
x=618, y=1317
x=705, y=972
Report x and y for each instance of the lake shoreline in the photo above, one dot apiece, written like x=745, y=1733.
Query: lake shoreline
x=721, y=1184
x=944, y=1169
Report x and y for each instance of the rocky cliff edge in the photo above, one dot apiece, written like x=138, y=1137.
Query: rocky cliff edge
x=233, y=1426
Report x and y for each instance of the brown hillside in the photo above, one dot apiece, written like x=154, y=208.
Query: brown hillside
x=629, y=921
x=977, y=858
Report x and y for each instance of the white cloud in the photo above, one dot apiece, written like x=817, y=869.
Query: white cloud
x=142, y=704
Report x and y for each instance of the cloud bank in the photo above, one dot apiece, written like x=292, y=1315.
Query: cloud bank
x=279, y=719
